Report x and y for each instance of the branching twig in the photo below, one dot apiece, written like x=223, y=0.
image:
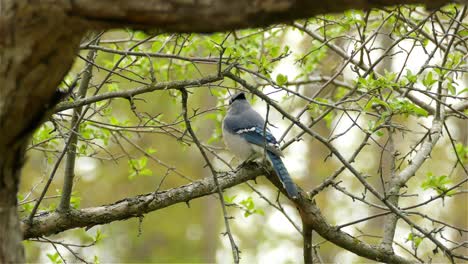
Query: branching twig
x=234, y=248
x=69, y=171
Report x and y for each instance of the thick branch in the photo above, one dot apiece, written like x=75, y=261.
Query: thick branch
x=215, y=15
x=313, y=218
x=55, y=222
x=311, y=215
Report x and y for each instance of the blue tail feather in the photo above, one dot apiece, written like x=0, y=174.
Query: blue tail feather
x=283, y=174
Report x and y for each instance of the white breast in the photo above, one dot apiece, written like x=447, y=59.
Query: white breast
x=237, y=145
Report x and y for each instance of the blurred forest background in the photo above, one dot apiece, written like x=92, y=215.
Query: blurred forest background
x=351, y=76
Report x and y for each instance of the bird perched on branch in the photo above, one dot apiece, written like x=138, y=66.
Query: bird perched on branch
x=248, y=138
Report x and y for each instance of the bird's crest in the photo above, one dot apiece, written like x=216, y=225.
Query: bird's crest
x=237, y=96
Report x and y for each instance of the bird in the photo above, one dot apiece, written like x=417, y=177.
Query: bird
x=248, y=138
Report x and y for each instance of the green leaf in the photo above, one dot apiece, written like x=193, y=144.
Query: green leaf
x=415, y=239
x=99, y=236
x=112, y=87
x=463, y=91
x=405, y=107
x=412, y=78
x=150, y=150
x=146, y=172
x=230, y=199
x=462, y=152
x=452, y=90
x=75, y=200
x=142, y=162
x=429, y=80
x=138, y=167
x=281, y=79
x=27, y=207
x=249, y=207
x=54, y=258
x=140, y=35
x=45, y=134
x=329, y=119
x=437, y=183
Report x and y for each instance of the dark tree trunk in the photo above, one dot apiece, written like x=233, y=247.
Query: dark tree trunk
x=38, y=43
x=11, y=249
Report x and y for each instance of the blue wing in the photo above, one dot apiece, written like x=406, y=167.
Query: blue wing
x=260, y=136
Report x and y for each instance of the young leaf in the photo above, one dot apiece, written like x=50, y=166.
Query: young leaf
x=437, y=183
x=55, y=258
x=281, y=79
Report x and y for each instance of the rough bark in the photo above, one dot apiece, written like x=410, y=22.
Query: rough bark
x=36, y=51
x=217, y=15
x=11, y=249
x=55, y=222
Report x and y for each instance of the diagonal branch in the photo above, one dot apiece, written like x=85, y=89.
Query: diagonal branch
x=313, y=218
x=55, y=222
x=340, y=157
x=235, y=249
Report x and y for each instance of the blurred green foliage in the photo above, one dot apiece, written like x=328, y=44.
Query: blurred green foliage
x=121, y=140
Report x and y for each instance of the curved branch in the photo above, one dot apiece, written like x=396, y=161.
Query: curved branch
x=215, y=15
x=313, y=218
x=311, y=215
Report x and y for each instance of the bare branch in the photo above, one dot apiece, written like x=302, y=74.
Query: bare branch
x=235, y=249
x=145, y=89
x=69, y=172
x=56, y=222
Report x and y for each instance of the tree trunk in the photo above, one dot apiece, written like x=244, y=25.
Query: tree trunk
x=11, y=249
x=37, y=47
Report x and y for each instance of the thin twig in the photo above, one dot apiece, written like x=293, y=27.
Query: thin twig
x=234, y=248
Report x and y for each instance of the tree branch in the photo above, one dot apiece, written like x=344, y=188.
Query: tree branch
x=313, y=218
x=69, y=171
x=307, y=245
x=141, y=90
x=55, y=222
x=340, y=157
x=215, y=15
x=235, y=249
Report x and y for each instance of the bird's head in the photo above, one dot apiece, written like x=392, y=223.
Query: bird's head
x=237, y=97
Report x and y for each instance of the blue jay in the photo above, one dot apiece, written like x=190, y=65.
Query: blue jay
x=244, y=134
